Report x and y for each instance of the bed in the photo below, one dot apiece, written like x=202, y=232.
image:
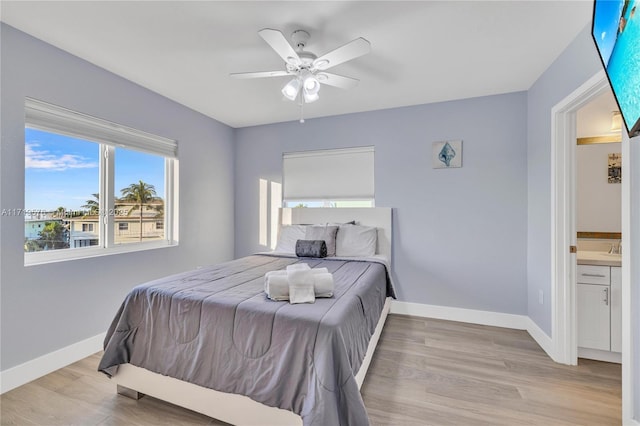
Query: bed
x=209, y=340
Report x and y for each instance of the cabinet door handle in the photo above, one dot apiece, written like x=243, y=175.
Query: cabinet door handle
x=594, y=275
x=606, y=296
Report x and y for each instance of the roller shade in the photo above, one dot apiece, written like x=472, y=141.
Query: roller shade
x=329, y=174
x=52, y=118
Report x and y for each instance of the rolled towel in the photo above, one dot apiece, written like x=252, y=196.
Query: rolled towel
x=320, y=270
x=323, y=285
x=270, y=274
x=277, y=286
x=301, y=286
x=298, y=267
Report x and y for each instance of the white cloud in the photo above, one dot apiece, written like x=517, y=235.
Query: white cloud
x=603, y=35
x=42, y=159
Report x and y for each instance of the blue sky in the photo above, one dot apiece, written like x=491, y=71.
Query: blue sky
x=61, y=171
x=605, y=26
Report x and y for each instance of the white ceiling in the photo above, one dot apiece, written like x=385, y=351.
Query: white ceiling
x=422, y=51
x=594, y=119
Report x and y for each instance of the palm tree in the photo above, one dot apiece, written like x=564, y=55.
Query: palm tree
x=54, y=236
x=93, y=205
x=138, y=194
x=60, y=212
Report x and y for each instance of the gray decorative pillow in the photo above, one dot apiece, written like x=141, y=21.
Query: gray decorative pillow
x=311, y=248
x=323, y=232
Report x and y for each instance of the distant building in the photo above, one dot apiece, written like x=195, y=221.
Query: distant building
x=83, y=231
x=33, y=227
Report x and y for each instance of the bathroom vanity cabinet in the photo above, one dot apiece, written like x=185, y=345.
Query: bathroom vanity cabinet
x=599, y=309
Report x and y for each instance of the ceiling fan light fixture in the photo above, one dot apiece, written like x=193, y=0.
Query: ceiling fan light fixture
x=310, y=97
x=311, y=85
x=291, y=89
x=305, y=68
x=616, y=121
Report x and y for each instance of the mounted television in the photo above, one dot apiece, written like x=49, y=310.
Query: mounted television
x=616, y=33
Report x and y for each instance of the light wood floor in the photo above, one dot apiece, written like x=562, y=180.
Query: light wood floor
x=424, y=372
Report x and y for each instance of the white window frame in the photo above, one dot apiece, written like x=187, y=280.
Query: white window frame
x=55, y=119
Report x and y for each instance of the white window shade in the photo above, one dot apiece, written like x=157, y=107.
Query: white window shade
x=329, y=174
x=52, y=118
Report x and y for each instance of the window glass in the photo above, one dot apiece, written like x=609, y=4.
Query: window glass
x=61, y=177
x=139, y=196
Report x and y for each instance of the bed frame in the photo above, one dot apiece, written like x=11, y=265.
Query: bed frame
x=135, y=382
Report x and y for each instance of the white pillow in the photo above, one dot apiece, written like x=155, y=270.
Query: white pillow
x=326, y=233
x=289, y=235
x=356, y=241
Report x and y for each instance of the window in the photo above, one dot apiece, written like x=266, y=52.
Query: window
x=139, y=195
x=84, y=175
x=329, y=178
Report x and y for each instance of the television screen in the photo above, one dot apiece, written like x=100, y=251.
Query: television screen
x=616, y=32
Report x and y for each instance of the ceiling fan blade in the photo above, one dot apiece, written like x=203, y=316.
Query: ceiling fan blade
x=351, y=50
x=260, y=74
x=337, y=80
x=279, y=43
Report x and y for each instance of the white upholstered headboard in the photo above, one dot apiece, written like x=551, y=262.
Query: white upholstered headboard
x=380, y=217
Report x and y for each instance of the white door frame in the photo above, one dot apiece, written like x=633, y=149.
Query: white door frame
x=563, y=217
x=563, y=235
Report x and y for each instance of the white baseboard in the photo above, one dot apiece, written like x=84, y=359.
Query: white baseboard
x=541, y=338
x=496, y=319
x=21, y=374
x=606, y=356
x=630, y=422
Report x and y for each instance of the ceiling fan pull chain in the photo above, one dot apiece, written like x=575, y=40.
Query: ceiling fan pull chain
x=301, y=108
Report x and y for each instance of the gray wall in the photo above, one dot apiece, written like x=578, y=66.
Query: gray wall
x=576, y=64
x=459, y=234
x=47, y=307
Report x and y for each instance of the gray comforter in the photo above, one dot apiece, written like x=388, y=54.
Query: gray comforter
x=216, y=328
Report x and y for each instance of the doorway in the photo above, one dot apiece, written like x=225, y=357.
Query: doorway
x=599, y=227
x=564, y=234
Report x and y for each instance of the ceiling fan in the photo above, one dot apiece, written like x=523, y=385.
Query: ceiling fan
x=307, y=70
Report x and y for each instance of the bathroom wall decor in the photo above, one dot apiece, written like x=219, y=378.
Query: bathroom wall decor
x=614, y=172
x=446, y=154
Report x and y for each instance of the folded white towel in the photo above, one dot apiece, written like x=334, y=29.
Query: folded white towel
x=323, y=284
x=277, y=283
x=281, y=273
x=277, y=286
x=298, y=267
x=301, y=284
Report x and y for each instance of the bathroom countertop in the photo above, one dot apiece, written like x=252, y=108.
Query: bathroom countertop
x=599, y=258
